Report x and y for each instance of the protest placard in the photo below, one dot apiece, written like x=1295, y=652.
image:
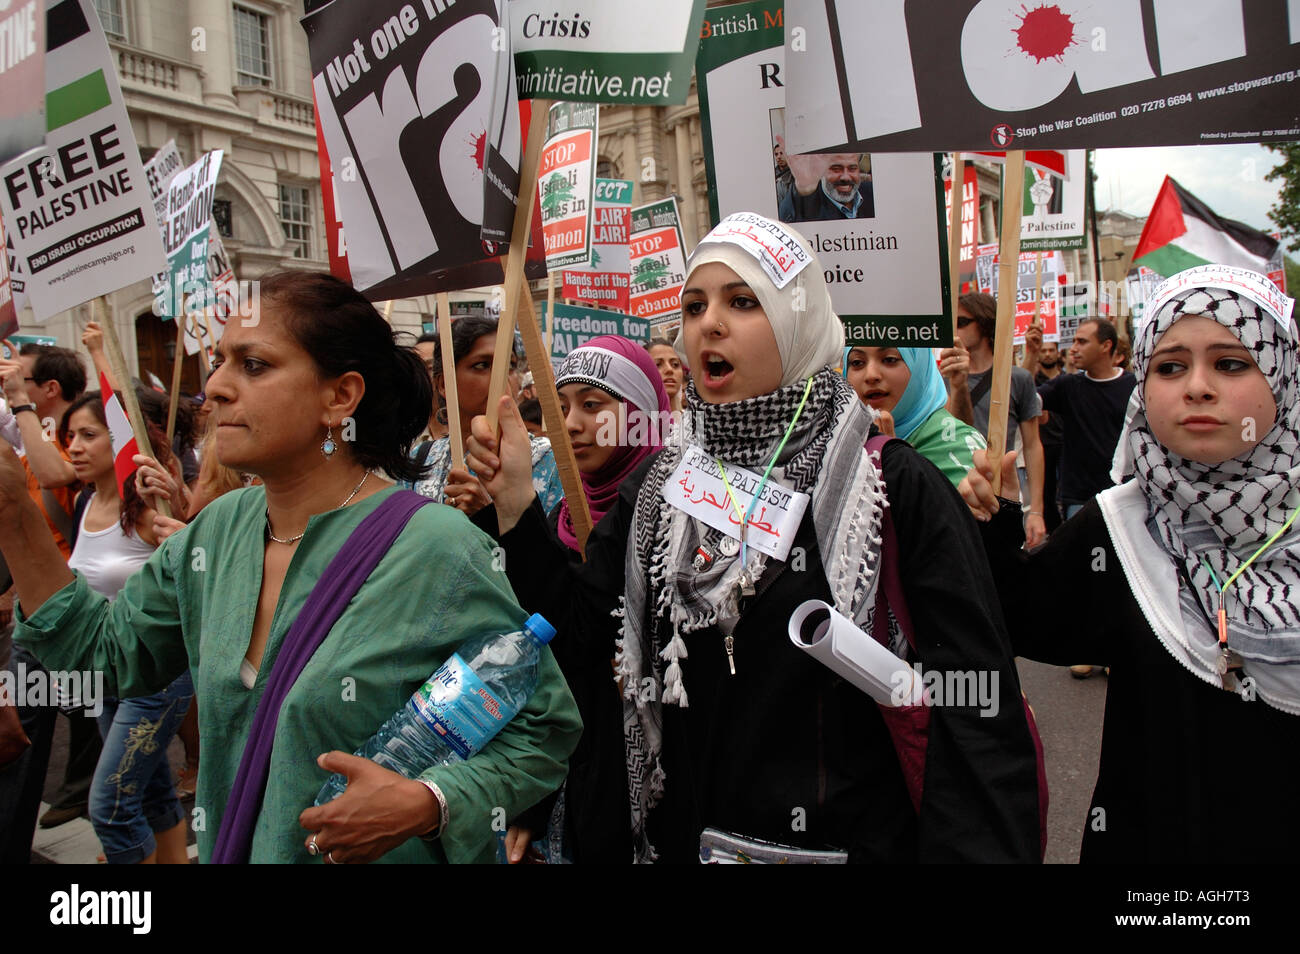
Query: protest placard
x=220, y=303
x=22, y=76
x=185, y=230
x=1139, y=284
x=1075, y=307
x=594, y=51
x=77, y=208
x=406, y=101
x=1052, y=206
x=657, y=255
x=1277, y=265
x=984, y=275
x=606, y=280
x=575, y=325
x=566, y=182
x=970, y=206
x=8, y=311
x=1046, y=75
x=875, y=221
x=1035, y=296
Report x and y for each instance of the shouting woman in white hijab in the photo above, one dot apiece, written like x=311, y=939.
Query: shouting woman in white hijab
x=732, y=734
x=1185, y=581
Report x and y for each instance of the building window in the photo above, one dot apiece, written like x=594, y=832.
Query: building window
x=252, y=48
x=295, y=219
x=112, y=18
x=221, y=212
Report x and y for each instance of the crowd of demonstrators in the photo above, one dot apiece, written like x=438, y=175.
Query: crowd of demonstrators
x=447, y=481
x=617, y=414
x=1186, y=575
x=653, y=733
x=1090, y=406
x=40, y=383
x=1043, y=359
x=266, y=677
x=704, y=745
x=906, y=387
x=977, y=329
x=133, y=804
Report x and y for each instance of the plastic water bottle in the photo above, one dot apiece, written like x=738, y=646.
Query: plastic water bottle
x=460, y=707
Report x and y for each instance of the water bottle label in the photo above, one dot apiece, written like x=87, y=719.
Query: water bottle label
x=457, y=705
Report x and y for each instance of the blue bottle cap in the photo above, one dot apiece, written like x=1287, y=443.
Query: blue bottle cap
x=541, y=630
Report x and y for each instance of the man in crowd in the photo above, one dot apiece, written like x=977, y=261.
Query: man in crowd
x=1091, y=405
x=976, y=327
x=828, y=186
x=1043, y=360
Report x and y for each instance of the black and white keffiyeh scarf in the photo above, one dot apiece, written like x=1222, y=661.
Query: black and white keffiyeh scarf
x=665, y=599
x=1220, y=514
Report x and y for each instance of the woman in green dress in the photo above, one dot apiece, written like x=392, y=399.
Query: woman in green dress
x=314, y=397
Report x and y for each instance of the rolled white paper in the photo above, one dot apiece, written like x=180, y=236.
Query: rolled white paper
x=835, y=642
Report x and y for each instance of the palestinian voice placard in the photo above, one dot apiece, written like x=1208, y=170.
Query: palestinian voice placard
x=875, y=220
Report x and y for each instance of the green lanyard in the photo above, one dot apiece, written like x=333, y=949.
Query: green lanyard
x=744, y=517
x=1223, y=617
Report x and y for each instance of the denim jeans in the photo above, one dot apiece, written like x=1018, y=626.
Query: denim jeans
x=1072, y=509
x=133, y=795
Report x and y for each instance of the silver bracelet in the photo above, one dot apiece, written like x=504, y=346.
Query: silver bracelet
x=436, y=832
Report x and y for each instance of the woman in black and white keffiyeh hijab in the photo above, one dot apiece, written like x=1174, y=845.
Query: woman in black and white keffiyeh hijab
x=1204, y=536
x=726, y=725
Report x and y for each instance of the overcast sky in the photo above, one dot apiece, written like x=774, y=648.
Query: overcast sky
x=1229, y=179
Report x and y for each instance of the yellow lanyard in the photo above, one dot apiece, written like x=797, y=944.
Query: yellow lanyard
x=1223, y=616
x=744, y=516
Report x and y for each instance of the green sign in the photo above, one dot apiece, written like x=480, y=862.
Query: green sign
x=575, y=325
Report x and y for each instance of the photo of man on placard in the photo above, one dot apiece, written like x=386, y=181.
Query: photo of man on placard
x=820, y=186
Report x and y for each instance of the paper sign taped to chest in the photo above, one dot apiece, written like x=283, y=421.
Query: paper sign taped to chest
x=1252, y=285
x=780, y=252
x=696, y=488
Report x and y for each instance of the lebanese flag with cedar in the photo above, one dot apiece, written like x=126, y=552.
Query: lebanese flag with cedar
x=119, y=430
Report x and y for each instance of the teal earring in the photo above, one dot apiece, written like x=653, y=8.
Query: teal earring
x=328, y=447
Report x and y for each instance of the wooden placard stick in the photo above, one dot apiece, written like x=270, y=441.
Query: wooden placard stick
x=1038, y=290
x=515, y=260
x=204, y=331
x=388, y=311
x=550, y=309
x=544, y=383
x=449, y=381
x=954, y=233
x=126, y=391
x=178, y=361
x=1013, y=183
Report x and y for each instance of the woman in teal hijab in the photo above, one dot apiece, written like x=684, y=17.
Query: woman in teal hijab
x=905, y=385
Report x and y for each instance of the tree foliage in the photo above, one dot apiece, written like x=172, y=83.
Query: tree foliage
x=1286, y=213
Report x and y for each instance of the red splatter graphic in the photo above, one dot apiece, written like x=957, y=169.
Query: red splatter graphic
x=1045, y=33
x=480, y=149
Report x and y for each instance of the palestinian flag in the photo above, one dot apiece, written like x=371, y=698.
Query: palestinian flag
x=1183, y=232
x=119, y=430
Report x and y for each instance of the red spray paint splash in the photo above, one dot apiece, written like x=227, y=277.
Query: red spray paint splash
x=480, y=149
x=1045, y=33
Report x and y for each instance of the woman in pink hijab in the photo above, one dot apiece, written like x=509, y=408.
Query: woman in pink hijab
x=617, y=413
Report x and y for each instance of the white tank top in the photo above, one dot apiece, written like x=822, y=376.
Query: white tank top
x=107, y=557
